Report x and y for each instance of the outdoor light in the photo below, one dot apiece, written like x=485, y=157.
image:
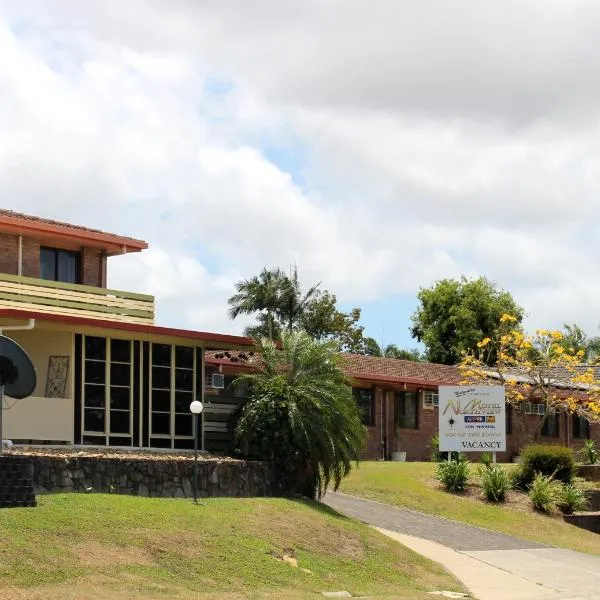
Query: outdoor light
x=196, y=408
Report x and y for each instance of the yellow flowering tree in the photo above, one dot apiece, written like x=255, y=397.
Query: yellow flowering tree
x=538, y=369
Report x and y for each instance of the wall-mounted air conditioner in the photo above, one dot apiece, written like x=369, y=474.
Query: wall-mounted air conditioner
x=217, y=380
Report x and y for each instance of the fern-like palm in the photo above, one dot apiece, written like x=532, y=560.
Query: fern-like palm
x=301, y=415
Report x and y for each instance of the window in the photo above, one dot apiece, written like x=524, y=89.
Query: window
x=534, y=408
x=430, y=399
x=235, y=390
x=364, y=403
x=508, y=424
x=551, y=425
x=107, y=391
x=406, y=410
x=60, y=265
x=581, y=427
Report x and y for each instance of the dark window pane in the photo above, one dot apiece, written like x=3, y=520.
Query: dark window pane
x=161, y=355
x=95, y=371
x=95, y=347
x=581, y=427
x=236, y=390
x=364, y=403
x=161, y=423
x=67, y=266
x=184, y=379
x=94, y=396
x=119, y=421
x=161, y=400
x=120, y=374
x=161, y=377
x=508, y=418
x=183, y=401
x=119, y=398
x=184, y=444
x=184, y=357
x=406, y=410
x=93, y=419
x=48, y=264
x=183, y=424
x=119, y=441
x=120, y=350
x=94, y=440
x=160, y=443
x=550, y=427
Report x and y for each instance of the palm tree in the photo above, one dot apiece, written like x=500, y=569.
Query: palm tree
x=262, y=293
x=294, y=302
x=301, y=415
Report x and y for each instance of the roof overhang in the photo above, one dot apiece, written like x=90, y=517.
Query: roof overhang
x=68, y=236
x=105, y=327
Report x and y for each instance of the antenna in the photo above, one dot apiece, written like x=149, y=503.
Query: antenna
x=17, y=374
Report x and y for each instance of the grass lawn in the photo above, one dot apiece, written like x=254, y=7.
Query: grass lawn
x=80, y=546
x=412, y=485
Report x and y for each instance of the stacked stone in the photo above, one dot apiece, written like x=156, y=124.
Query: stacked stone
x=16, y=483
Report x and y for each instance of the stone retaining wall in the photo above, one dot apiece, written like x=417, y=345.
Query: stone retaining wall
x=159, y=477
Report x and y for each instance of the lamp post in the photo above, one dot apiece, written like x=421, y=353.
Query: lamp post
x=196, y=408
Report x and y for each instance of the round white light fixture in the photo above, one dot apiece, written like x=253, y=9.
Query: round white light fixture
x=196, y=407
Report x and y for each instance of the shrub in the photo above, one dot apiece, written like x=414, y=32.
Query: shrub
x=454, y=475
x=589, y=452
x=557, y=462
x=495, y=483
x=570, y=499
x=543, y=492
x=487, y=459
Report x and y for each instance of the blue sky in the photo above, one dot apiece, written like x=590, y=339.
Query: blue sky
x=379, y=152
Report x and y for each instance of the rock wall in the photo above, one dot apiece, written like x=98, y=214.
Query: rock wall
x=166, y=478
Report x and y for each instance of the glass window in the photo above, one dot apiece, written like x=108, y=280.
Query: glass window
x=551, y=426
x=60, y=265
x=430, y=398
x=364, y=403
x=581, y=427
x=406, y=410
x=508, y=423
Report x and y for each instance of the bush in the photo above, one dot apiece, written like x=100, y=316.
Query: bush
x=589, y=452
x=495, y=483
x=543, y=492
x=454, y=475
x=570, y=499
x=486, y=459
x=557, y=462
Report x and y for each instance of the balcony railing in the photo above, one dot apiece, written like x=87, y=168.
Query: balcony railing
x=27, y=293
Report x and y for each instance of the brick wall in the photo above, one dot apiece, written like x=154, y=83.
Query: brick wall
x=415, y=442
x=93, y=261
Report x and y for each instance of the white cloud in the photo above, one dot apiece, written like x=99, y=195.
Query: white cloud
x=434, y=140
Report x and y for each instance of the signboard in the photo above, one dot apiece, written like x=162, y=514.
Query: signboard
x=472, y=418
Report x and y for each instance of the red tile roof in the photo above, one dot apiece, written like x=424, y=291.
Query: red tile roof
x=369, y=369
x=18, y=223
x=393, y=370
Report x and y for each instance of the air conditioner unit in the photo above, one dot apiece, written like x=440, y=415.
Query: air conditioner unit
x=217, y=380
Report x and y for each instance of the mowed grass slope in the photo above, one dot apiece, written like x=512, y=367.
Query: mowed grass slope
x=107, y=546
x=412, y=485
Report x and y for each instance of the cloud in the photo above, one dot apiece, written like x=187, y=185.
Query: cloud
x=379, y=148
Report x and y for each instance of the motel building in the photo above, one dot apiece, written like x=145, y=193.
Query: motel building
x=108, y=375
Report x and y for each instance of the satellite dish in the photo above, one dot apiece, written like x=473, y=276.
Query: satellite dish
x=17, y=373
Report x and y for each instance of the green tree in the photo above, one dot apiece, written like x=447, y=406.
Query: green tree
x=393, y=351
x=295, y=302
x=263, y=294
x=301, y=415
x=454, y=315
x=370, y=347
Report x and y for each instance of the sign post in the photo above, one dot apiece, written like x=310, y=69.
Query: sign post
x=472, y=418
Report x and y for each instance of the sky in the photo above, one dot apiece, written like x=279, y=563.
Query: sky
x=380, y=147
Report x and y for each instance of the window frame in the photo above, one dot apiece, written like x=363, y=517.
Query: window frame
x=434, y=396
x=357, y=393
x=56, y=253
x=400, y=398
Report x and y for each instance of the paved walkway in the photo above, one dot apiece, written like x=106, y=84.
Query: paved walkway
x=493, y=566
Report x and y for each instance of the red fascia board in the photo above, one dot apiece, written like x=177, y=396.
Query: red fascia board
x=374, y=378
x=134, y=327
x=113, y=243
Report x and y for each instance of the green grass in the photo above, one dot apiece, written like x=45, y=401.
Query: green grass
x=412, y=485
x=120, y=547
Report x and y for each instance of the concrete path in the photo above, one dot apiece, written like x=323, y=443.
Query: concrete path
x=493, y=566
